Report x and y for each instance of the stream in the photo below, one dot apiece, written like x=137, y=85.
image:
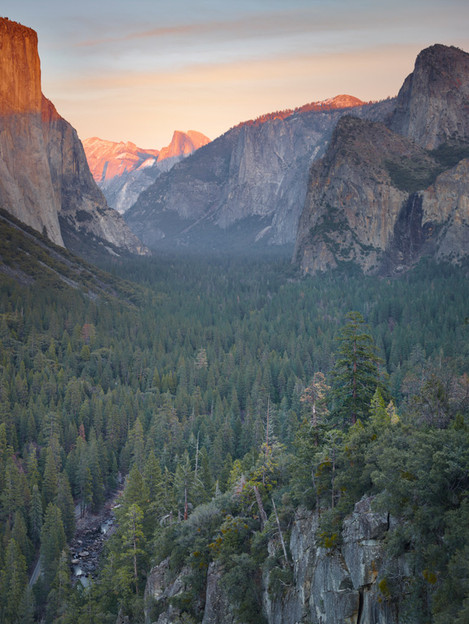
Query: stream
x=88, y=542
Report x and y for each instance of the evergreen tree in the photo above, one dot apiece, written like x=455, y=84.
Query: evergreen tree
x=50, y=480
x=64, y=502
x=356, y=374
x=133, y=542
x=26, y=608
x=52, y=542
x=12, y=583
x=59, y=597
x=35, y=515
x=315, y=398
x=20, y=535
x=5, y=452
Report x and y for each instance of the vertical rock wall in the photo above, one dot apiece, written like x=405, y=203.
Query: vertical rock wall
x=330, y=586
x=44, y=176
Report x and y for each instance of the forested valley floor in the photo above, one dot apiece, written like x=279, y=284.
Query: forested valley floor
x=227, y=393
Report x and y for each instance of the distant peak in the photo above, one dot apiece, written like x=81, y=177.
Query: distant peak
x=440, y=50
x=110, y=159
x=342, y=101
x=183, y=144
x=336, y=103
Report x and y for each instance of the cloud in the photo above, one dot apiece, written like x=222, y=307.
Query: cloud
x=144, y=73
x=318, y=18
x=256, y=37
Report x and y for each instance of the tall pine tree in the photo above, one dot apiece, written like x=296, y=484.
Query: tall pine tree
x=355, y=375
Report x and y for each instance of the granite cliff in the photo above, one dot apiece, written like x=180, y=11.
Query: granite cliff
x=327, y=586
x=246, y=186
x=386, y=194
x=123, y=170
x=44, y=177
x=433, y=104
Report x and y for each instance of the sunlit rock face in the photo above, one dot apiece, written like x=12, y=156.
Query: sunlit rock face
x=384, y=195
x=123, y=170
x=20, y=72
x=44, y=177
x=26, y=189
x=248, y=185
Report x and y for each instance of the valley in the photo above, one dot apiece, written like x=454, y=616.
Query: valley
x=245, y=360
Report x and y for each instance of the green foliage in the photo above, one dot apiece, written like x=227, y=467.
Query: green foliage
x=355, y=374
x=280, y=580
x=179, y=388
x=449, y=154
x=412, y=175
x=241, y=583
x=53, y=542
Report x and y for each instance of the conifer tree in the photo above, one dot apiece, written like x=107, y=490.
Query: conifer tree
x=35, y=515
x=58, y=598
x=5, y=452
x=20, y=534
x=356, y=374
x=26, y=607
x=132, y=539
x=64, y=502
x=13, y=582
x=153, y=476
x=52, y=542
x=50, y=479
x=314, y=397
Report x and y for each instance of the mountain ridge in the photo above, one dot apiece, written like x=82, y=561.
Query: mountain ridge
x=249, y=183
x=123, y=170
x=381, y=198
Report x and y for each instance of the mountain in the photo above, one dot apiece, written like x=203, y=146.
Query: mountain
x=386, y=194
x=123, y=170
x=45, y=180
x=247, y=186
x=433, y=103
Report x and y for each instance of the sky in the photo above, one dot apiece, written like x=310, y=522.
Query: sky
x=137, y=70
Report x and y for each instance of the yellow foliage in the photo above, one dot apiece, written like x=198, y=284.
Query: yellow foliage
x=384, y=588
x=430, y=577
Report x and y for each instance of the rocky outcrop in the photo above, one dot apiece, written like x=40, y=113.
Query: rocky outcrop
x=44, y=177
x=380, y=198
x=123, y=170
x=249, y=183
x=183, y=144
x=339, y=585
x=433, y=104
x=161, y=587
x=445, y=208
x=359, y=198
x=345, y=584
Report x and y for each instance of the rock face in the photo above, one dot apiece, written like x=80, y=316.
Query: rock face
x=433, y=103
x=44, y=177
x=123, y=170
x=384, y=195
x=328, y=587
x=250, y=182
x=341, y=585
x=159, y=591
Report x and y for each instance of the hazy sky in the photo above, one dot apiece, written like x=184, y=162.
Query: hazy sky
x=139, y=69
